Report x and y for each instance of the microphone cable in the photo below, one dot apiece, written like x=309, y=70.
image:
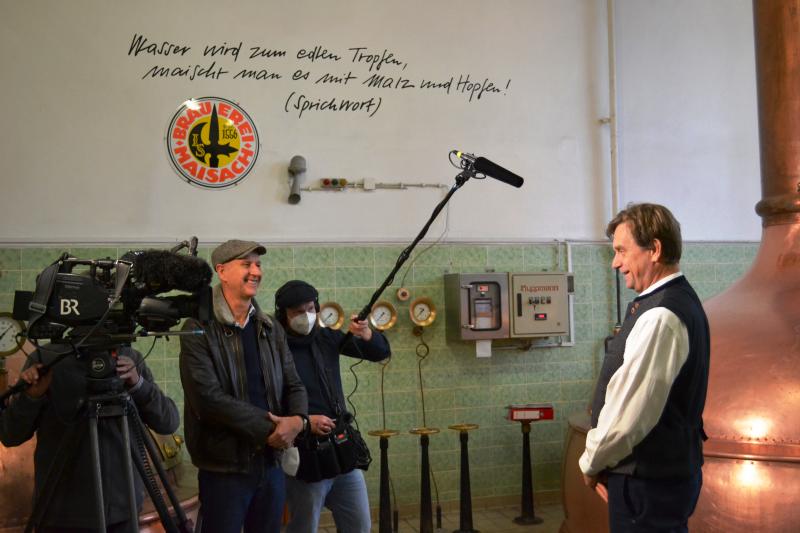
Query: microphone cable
x=431, y=245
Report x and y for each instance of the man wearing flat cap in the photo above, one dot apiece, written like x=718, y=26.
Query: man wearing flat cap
x=244, y=402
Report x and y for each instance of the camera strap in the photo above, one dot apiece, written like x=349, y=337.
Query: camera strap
x=123, y=272
x=44, y=288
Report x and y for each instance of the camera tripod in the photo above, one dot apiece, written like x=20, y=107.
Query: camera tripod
x=116, y=407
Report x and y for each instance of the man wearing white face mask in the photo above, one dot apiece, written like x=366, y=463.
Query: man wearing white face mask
x=321, y=479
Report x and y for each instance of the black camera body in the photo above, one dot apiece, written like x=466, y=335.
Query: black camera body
x=107, y=299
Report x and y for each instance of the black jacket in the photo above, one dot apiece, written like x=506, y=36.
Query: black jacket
x=59, y=413
x=324, y=345
x=223, y=429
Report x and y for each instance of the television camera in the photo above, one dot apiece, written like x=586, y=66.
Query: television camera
x=89, y=309
x=101, y=300
x=94, y=306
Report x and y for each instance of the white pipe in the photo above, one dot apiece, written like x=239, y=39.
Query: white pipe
x=571, y=301
x=612, y=105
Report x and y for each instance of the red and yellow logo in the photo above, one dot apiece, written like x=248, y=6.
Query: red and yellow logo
x=212, y=142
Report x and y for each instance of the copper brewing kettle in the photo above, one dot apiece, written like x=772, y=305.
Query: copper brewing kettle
x=751, y=477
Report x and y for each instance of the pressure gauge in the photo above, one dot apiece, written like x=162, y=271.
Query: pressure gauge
x=422, y=311
x=330, y=315
x=11, y=339
x=383, y=315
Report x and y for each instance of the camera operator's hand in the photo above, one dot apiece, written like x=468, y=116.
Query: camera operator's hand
x=39, y=383
x=126, y=370
x=360, y=329
x=286, y=429
x=321, y=424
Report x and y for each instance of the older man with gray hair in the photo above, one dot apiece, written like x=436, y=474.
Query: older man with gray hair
x=647, y=436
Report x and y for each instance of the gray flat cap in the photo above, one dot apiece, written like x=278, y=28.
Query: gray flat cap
x=235, y=249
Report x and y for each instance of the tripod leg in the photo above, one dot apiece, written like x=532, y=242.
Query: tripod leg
x=155, y=496
x=98, y=482
x=126, y=437
x=162, y=475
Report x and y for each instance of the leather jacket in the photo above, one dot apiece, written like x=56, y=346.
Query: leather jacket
x=224, y=431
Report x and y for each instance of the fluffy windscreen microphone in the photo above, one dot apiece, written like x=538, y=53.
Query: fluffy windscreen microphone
x=164, y=271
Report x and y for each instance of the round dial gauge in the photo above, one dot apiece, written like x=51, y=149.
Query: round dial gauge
x=330, y=315
x=422, y=311
x=383, y=315
x=10, y=339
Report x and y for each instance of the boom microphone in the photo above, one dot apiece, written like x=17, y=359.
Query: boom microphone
x=493, y=170
x=164, y=271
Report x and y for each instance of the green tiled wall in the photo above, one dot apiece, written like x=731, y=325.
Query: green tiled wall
x=458, y=387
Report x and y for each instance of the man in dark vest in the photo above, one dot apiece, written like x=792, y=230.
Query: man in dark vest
x=647, y=436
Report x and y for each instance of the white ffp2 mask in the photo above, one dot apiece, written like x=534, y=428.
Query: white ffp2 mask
x=304, y=323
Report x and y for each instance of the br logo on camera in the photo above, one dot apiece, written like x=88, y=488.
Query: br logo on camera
x=69, y=307
x=212, y=142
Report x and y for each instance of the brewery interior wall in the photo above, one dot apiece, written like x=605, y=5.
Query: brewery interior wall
x=458, y=387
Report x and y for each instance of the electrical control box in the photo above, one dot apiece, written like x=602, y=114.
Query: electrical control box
x=503, y=305
x=477, y=306
x=539, y=304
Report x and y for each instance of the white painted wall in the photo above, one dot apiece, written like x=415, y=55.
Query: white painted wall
x=82, y=142
x=688, y=115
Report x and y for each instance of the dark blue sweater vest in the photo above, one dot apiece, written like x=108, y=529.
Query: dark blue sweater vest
x=674, y=447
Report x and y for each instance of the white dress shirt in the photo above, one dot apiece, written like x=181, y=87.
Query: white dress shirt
x=250, y=312
x=655, y=350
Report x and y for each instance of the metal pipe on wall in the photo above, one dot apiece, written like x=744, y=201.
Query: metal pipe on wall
x=612, y=107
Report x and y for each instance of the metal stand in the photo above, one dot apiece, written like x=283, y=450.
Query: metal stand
x=528, y=516
x=111, y=406
x=425, y=508
x=465, y=498
x=385, y=507
x=120, y=407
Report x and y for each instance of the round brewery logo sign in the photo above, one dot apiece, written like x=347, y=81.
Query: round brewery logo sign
x=212, y=142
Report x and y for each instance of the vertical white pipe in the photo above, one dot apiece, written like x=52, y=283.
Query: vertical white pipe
x=570, y=301
x=612, y=105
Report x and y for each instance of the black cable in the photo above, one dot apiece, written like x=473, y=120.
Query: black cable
x=422, y=352
x=431, y=245
x=394, y=499
x=384, y=363
x=355, y=388
x=436, y=490
x=141, y=363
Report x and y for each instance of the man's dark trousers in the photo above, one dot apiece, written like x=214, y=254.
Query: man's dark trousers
x=254, y=500
x=637, y=505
